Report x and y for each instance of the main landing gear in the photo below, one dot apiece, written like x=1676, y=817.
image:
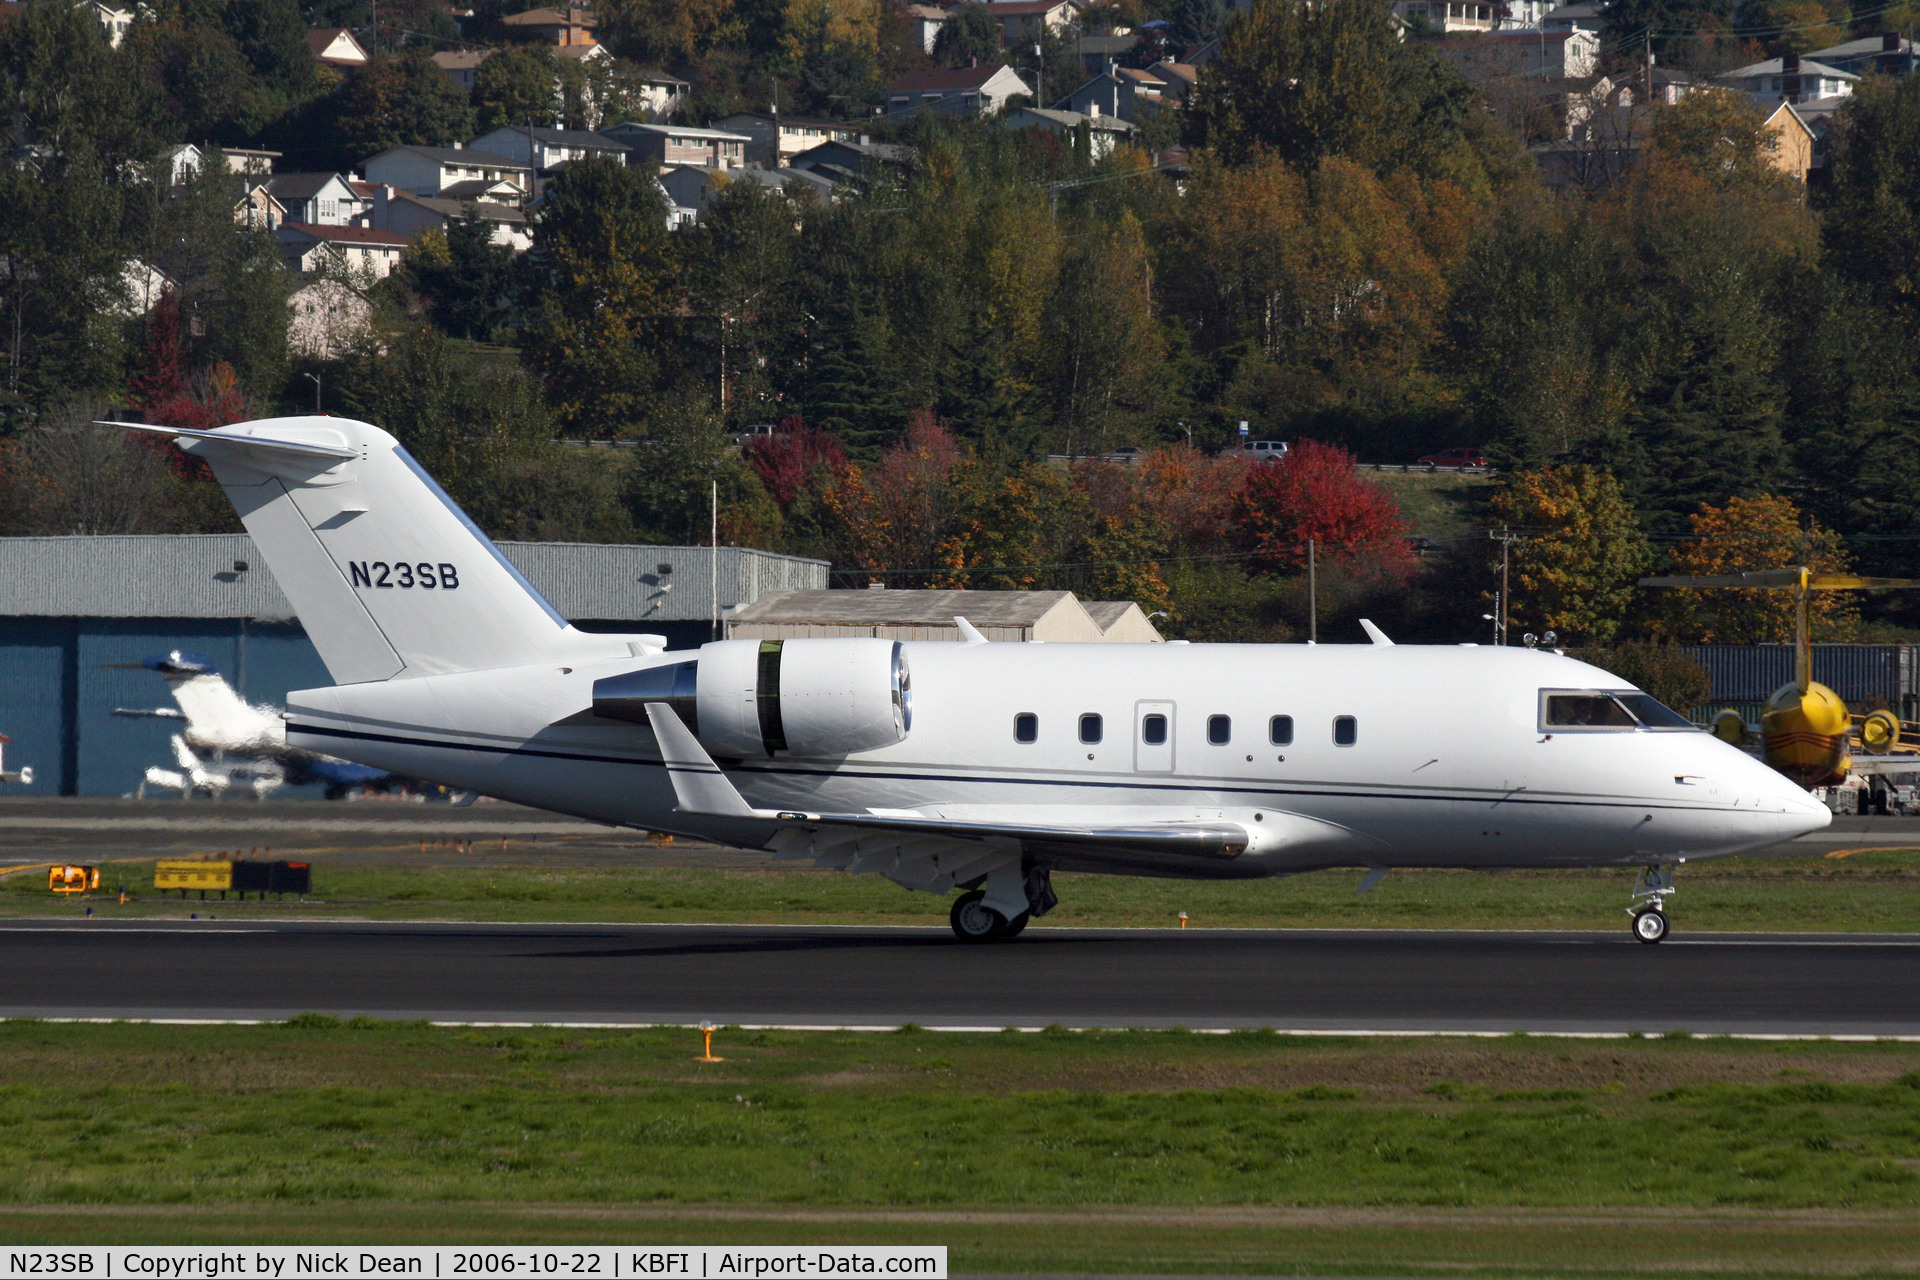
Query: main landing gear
x=1649, y=909
x=974, y=921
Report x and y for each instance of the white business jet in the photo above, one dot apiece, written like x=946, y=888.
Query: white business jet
x=977, y=767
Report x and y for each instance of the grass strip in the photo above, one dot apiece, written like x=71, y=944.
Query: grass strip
x=1876, y=891
x=1096, y=1151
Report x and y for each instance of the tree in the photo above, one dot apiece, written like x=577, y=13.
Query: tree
x=793, y=458
x=1720, y=137
x=1106, y=346
x=1576, y=571
x=1315, y=493
x=465, y=277
x=1872, y=197
x=737, y=264
x=400, y=100
x=971, y=35
x=1764, y=532
x=1309, y=79
x=1661, y=669
x=1192, y=23
x=1666, y=22
x=594, y=329
x=894, y=516
x=516, y=86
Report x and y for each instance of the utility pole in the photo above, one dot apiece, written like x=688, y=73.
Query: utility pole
x=1313, y=597
x=713, y=539
x=1647, y=37
x=1506, y=540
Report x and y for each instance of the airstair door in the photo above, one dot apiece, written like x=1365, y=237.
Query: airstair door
x=1153, y=737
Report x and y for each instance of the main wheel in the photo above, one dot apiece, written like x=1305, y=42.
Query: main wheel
x=1015, y=925
x=974, y=921
x=1650, y=925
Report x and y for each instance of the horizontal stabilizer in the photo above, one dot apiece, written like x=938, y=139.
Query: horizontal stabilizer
x=300, y=447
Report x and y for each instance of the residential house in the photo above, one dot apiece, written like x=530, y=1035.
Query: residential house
x=254, y=206
x=1446, y=15
x=1581, y=15
x=1121, y=93
x=665, y=144
x=555, y=26
x=323, y=199
x=336, y=47
x=407, y=215
x=663, y=94
x=923, y=24
x=773, y=140
x=1667, y=87
x=1101, y=53
x=1789, y=78
x=1178, y=79
x=1521, y=55
x=690, y=188
x=463, y=65
x=1022, y=21
x=361, y=252
x=1206, y=53
x=852, y=161
x=113, y=19
x=547, y=149
x=183, y=160
x=955, y=91
x=1598, y=150
x=1102, y=132
x=1790, y=149
x=1888, y=54
x=453, y=172
x=329, y=316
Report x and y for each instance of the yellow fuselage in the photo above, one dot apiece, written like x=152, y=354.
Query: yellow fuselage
x=1805, y=735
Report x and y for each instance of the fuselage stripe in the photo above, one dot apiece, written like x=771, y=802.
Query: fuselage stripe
x=1491, y=800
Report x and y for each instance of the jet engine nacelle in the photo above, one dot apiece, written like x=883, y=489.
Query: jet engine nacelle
x=758, y=698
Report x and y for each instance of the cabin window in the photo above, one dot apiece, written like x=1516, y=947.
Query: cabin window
x=1026, y=727
x=1280, y=731
x=1346, y=731
x=1153, y=730
x=1585, y=711
x=1090, y=729
x=1219, y=730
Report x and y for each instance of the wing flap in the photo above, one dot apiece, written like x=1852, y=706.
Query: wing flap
x=701, y=788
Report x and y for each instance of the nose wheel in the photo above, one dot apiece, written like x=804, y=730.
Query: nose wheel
x=1649, y=908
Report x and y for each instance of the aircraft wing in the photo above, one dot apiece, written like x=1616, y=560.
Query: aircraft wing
x=701, y=788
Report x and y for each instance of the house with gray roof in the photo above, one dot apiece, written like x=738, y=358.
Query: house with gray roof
x=434, y=171
x=1057, y=616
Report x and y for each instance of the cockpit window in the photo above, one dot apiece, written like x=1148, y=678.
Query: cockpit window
x=1586, y=711
x=1653, y=713
x=1599, y=709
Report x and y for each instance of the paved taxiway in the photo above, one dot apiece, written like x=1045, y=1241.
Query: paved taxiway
x=1376, y=980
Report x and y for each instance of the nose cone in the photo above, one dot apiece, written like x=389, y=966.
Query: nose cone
x=1790, y=810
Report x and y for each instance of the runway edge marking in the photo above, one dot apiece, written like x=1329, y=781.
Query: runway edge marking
x=976, y=1029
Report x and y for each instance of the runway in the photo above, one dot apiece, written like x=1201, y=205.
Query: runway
x=1309, y=980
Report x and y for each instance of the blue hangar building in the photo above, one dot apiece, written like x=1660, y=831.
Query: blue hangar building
x=77, y=616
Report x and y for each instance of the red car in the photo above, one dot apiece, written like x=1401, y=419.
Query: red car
x=1455, y=458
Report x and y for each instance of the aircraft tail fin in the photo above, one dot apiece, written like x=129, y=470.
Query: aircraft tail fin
x=387, y=575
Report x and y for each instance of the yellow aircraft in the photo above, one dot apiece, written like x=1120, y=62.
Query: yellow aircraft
x=1806, y=731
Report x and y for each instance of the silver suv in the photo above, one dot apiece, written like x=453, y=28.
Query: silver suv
x=1266, y=450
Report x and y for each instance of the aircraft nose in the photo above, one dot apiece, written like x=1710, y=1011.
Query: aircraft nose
x=1799, y=812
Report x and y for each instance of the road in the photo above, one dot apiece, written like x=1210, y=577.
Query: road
x=1305, y=980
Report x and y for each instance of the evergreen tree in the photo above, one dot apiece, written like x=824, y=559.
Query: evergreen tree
x=601, y=298
x=516, y=86
x=466, y=278
x=971, y=35
x=401, y=100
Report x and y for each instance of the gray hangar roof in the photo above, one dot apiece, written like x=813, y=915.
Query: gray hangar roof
x=224, y=576
x=929, y=615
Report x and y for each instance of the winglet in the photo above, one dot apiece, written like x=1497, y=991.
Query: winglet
x=698, y=784
x=968, y=632
x=1375, y=634
x=300, y=447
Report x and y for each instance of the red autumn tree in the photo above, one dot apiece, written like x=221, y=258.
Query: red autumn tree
x=793, y=456
x=1314, y=492
x=893, y=516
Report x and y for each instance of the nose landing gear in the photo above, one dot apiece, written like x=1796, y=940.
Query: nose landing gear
x=1649, y=908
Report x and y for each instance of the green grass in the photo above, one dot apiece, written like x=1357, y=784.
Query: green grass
x=1440, y=505
x=1876, y=891
x=1058, y=1151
